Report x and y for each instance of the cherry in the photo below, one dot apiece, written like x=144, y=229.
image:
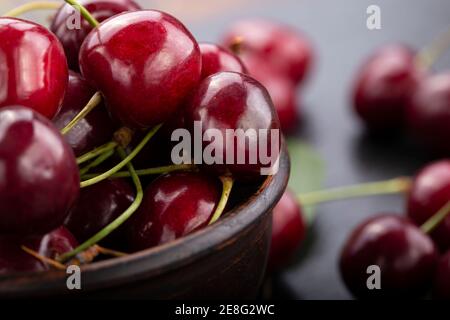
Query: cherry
x=92, y=131
x=286, y=50
x=216, y=59
x=98, y=206
x=230, y=101
x=288, y=231
x=174, y=205
x=13, y=259
x=441, y=288
x=39, y=178
x=383, y=86
x=430, y=192
x=405, y=255
x=429, y=113
x=72, y=36
x=33, y=67
x=145, y=63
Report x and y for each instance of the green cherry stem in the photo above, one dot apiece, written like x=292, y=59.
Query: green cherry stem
x=116, y=223
x=392, y=186
x=431, y=53
x=436, y=219
x=124, y=162
x=32, y=6
x=147, y=172
x=101, y=158
x=86, y=14
x=96, y=152
x=227, y=185
x=95, y=101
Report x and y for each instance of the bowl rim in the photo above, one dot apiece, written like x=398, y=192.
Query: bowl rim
x=164, y=258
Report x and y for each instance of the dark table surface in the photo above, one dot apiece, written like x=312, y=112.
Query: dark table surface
x=341, y=39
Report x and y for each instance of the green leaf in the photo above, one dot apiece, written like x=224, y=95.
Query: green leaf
x=307, y=170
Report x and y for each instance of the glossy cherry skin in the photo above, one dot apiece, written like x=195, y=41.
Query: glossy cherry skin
x=441, y=283
x=93, y=130
x=231, y=101
x=13, y=259
x=145, y=63
x=429, y=113
x=98, y=206
x=288, y=231
x=286, y=50
x=405, y=255
x=33, y=67
x=383, y=86
x=217, y=59
x=39, y=180
x=174, y=205
x=429, y=193
x=72, y=37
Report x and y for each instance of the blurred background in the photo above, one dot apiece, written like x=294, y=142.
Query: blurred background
x=341, y=41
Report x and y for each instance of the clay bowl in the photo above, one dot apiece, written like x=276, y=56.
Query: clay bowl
x=224, y=260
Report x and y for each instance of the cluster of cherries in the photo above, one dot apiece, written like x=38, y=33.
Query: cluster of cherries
x=135, y=75
x=394, y=91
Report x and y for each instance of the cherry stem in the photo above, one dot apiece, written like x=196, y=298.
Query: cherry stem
x=95, y=101
x=32, y=6
x=118, y=221
x=227, y=185
x=46, y=260
x=147, y=172
x=431, y=53
x=102, y=158
x=86, y=14
x=392, y=186
x=96, y=152
x=109, y=252
x=124, y=162
x=436, y=219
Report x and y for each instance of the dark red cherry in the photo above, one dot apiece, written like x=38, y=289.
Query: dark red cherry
x=429, y=193
x=288, y=231
x=13, y=259
x=429, y=113
x=229, y=101
x=39, y=179
x=174, y=205
x=92, y=131
x=216, y=59
x=405, y=255
x=72, y=32
x=281, y=90
x=441, y=283
x=286, y=50
x=33, y=67
x=383, y=86
x=98, y=206
x=145, y=63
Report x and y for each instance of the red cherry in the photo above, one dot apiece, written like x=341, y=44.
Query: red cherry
x=174, y=205
x=39, y=178
x=288, y=231
x=286, y=50
x=231, y=101
x=429, y=113
x=429, y=193
x=145, y=63
x=442, y=278
x=405, y=255
x=216, y=59
x=98, y=206
x=383, y=86
x=13, y=259
x=33, y=67
x=92, y=131
x=72, y=36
